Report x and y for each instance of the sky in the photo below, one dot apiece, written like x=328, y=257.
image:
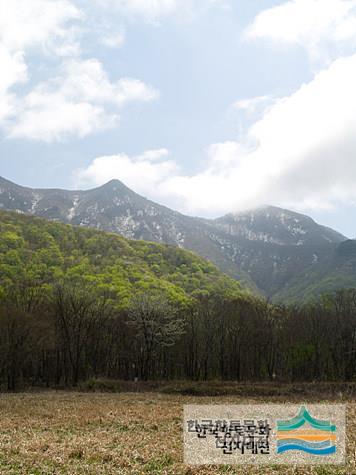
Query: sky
x=205, y=106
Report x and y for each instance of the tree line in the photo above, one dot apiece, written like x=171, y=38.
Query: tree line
x=59, y=336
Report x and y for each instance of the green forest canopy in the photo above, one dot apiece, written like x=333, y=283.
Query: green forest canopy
x=34, y=251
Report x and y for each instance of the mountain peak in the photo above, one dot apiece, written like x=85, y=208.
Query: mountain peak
x=114, y=183
x=274, y=225
x=265, y=247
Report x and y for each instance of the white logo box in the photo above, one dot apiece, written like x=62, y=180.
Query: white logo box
x=269, y=434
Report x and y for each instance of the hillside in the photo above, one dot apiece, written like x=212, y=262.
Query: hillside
x=42, y=252
x=115, y=208
x=78, y=304
x=274, y=245
x=337, y=270
x=266, y=249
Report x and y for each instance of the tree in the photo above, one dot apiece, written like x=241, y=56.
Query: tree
x=15, y=335
x=156, y=326
x=80, y=316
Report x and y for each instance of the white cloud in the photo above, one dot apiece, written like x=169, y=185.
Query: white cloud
x=128, y=90
x=154, y=10
x=142, y=172
x=322, y=27
x=25, y=24
x=13, y=69
x=152, y=155
x=77, y=102
x=301, y=153
x=149, y=8
x=76, y=97
x=252, y=103
x=52, y=119
x=254, y=107
x=112, y=40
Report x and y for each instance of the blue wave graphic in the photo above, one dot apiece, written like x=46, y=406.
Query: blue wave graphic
x=326, y=451
x=303, y=417
x=304, y=443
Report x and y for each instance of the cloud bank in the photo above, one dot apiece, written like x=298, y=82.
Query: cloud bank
x=299, y=150
x=75, y=103
x=301, y=153
x=77, y=98
x=324, y=28
x=156, y=10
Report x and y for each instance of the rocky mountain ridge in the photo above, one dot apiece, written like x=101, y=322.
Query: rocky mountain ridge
x=266, y=248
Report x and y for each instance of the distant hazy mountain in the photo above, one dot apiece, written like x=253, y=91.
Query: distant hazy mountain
x=274, y=245
x=270, y=249
x=335, y=271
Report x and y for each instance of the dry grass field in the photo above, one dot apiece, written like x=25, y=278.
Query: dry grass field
x=133, y=433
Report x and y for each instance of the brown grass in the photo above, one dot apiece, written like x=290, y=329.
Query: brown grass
x=124, y=433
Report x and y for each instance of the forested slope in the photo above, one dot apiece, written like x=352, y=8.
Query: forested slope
x=77, y=304
x=37, y=251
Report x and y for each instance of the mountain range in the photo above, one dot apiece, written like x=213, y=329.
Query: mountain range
x=275, y=252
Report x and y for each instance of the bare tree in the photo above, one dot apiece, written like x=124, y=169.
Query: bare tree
x=156, y=325
x=80, y=315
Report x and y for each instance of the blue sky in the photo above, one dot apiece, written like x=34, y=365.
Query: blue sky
x=207, y=106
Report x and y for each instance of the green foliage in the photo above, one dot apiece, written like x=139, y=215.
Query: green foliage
x=300, y=355
x=42, y=252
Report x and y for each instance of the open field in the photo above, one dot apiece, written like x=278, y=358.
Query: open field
x=135, y=433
